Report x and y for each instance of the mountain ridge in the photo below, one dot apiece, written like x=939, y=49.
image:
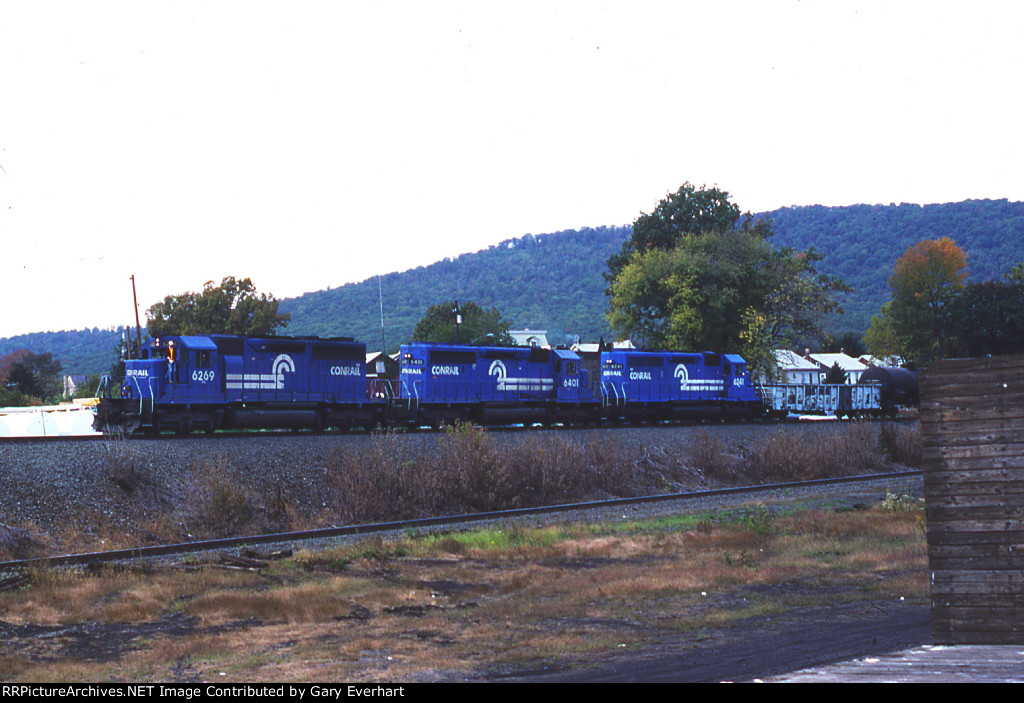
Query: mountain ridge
x=554, y=281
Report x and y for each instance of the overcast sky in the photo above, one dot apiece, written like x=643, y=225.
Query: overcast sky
x=311, y=144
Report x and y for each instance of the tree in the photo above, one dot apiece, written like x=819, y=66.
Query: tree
x=698, y=281
x=27, y=378
x=691, y=210
x=987, y=318
x=835, y=375
x=478, y=325
x=233, y=307
x=925, y=282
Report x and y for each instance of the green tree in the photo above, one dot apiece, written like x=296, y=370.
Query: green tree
x=916, y=322
x=233, y=307
x=835, y=375
x=691, y=210
x=721, y=288
x=987, y=318
x=478, y=325
x=27, y=378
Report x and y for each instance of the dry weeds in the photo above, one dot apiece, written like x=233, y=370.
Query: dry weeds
x=459, y=605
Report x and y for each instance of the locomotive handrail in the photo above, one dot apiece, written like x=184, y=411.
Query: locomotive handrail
x=615, y=391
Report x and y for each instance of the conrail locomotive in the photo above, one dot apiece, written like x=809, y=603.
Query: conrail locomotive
x=211, y=382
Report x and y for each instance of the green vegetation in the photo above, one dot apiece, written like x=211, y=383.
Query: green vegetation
x=863, y=242
x=233, y=307
x=550, y=281
x=933, y=313
x=470, y=604
x=698, y=278
x=477, y=325
x=27, y=378
x=557, y=281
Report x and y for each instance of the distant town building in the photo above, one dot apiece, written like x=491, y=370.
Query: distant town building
x=813, y=368
x=530, y=338
x=844, y=361
x=380, y=365
x=794, y=368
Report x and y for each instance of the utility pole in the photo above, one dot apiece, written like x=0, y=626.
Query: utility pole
x=380, y=294
x=458, y=320
x=138, y=327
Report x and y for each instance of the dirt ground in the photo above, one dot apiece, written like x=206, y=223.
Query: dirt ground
x=754, y=649
x=758, y=648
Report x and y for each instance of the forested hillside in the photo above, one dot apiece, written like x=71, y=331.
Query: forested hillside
x=550, y=281
x=79, y=351
x=555, y=282
x=862, y=243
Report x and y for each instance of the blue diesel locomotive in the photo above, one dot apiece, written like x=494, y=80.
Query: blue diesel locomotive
x=642, y=386
x=441, y=384
x=186, y=383
x=210, y=382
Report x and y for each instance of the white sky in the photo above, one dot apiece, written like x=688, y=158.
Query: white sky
x=311, y=144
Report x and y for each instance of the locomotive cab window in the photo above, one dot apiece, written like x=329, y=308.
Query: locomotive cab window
x=202, y=359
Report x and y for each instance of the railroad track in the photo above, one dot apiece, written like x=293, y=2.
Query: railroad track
x=15, y=567
x=425, y=429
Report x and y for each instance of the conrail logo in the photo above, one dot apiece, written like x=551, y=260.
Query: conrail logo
x=499, y=371
x=282, y=365
x=682, y=375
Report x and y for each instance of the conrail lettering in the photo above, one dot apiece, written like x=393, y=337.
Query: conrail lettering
x=639, y=375
x=137, y=372
x=345, y=371
x=444, y=370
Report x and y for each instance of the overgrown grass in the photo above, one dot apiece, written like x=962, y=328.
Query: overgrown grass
x=446, y=606
x=472, y=472
x=468, y=471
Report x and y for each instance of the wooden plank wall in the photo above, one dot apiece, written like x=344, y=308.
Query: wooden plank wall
x=972, y=424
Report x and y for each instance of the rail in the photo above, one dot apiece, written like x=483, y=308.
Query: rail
x=376, y=528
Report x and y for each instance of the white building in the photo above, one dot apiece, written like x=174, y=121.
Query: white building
x=847, y=363
x=530, y=338
x=795, y=368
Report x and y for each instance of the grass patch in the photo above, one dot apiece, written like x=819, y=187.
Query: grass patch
x=428, y=607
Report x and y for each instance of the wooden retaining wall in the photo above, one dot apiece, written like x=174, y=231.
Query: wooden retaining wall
x=972, y=424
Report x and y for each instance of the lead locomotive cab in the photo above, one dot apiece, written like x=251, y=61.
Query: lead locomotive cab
x=221, y=381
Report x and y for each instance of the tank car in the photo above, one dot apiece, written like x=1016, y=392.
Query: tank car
x=898, y=387
x=209, y=382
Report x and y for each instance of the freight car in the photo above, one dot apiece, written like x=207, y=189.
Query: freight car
x=881, y=391
x=183, y=383
x=841, y=400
